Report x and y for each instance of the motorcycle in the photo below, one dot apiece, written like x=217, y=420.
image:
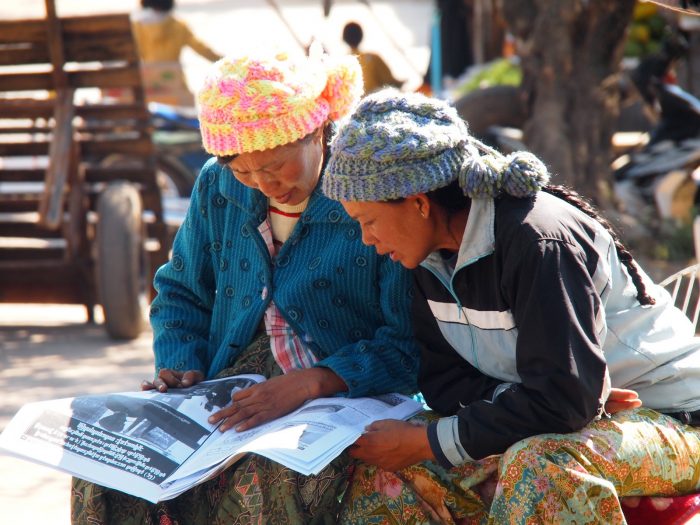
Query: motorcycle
x=661, y=177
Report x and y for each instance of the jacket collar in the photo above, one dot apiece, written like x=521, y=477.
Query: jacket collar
x=479, y=237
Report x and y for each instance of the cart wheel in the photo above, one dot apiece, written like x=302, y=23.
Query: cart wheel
x=122, y=267
x=174, y=178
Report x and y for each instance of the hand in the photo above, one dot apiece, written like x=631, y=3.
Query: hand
x=621, y=399
x=393, y=445
x=276, y=397
x=168, y=378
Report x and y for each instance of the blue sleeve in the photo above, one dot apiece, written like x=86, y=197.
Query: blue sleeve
x=181, y=311
x=389, y=361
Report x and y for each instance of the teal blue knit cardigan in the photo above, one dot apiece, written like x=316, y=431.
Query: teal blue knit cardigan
x=351, y=303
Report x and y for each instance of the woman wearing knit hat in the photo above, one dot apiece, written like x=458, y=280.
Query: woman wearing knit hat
x=528, y=310
x=269, y=276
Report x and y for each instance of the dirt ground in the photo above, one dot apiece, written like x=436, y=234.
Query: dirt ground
x=49, y=352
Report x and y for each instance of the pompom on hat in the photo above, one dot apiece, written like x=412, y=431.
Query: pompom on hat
x=256, y=103
x=399, y=144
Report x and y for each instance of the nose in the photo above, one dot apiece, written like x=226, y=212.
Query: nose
x=367, y=238
x=264, y=184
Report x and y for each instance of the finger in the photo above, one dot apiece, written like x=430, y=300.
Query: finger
x=249, y=416
x=160, y=385
x=252, y=422
x=243, y=394
x=147, y=385
x=223, y=414
x=376, y=426
x=169, y=378
x=622, y=393
x=191, y=377
x=236, y=413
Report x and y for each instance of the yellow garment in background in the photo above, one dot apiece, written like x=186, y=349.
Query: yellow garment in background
x=160, y=38
x=164, y=40
x=375, y=72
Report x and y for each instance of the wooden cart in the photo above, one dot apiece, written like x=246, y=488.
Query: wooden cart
x=81, y=217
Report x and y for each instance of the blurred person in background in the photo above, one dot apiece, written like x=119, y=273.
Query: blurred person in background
x=375, y=72
x=160, y=38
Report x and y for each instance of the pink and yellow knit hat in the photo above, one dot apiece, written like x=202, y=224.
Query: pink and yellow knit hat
x=252, y=103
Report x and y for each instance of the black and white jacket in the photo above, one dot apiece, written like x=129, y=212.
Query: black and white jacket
x=529, y=328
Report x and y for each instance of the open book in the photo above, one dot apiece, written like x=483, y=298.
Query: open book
x=158, y=445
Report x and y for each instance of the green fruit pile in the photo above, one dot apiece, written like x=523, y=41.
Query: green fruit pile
x=645, y=32
x=502, y=71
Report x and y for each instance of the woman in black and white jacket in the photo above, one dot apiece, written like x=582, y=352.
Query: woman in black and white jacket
x=528, y=311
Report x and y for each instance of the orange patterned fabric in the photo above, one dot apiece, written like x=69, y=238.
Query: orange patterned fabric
x=552, y=478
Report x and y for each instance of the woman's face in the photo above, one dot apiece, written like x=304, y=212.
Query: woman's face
x=287, y=174
x=396, y=229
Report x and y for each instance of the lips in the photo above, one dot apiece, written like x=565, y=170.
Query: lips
x=282, y=199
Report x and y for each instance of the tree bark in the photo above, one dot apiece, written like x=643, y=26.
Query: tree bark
x=570, y=52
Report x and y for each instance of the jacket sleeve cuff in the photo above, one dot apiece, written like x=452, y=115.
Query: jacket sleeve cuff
x=443, y=437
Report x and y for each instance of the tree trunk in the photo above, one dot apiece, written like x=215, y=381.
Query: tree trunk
x=570, y=52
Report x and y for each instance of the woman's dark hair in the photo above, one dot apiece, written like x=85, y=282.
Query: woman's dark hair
x=452, y=199
x=158, y=5
x=625, y=256
x=352, y=34
x=328, y=129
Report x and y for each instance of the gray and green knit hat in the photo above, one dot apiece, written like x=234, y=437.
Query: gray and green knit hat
x=400, y=144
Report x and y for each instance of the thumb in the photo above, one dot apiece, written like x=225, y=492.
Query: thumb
x=380, y=424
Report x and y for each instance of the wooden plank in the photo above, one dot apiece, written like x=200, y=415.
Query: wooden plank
x=60, y=151
x=112, y=111
x=55, y=46
x=22, y=130
x=141, y=147
x=113, y=77
x=27, y=53
x=98, y=127
x=34, y=29
x=42, y=281
x=25, y=30
x=19, y=206
x=108, y=174
x=25, y=81
x=21, y=149
x=75, y=228
x=28, y=253
x=43, y=108
x=96, y=25
x=27, y=229
x=21, y=175
x=110, y=46
x=25, y=107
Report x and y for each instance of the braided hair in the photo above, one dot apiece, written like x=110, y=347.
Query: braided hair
x=576, y=200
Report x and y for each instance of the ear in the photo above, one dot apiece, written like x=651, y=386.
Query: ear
x=422, y=204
